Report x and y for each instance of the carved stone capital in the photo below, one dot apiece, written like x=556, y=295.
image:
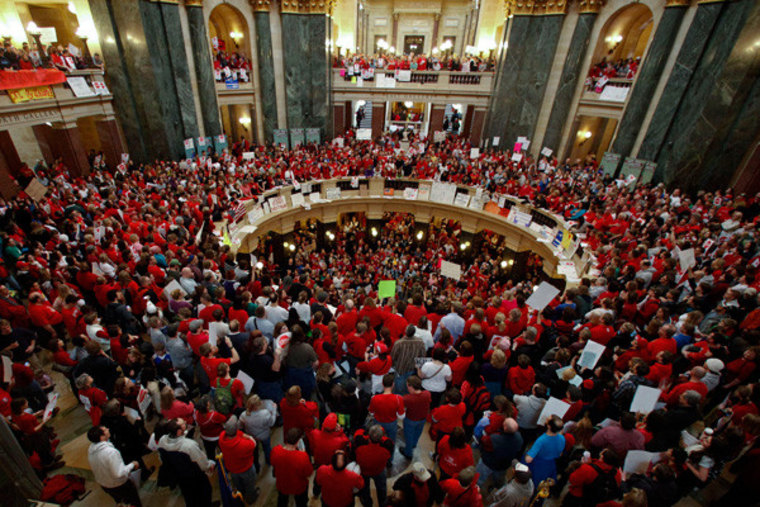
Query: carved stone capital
x=677, y=3
x=535, y=7
x=590, y=6
x=306, y=6
x=260, y=5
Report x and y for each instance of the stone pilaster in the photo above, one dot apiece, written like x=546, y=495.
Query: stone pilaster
x=266, y=66
x=204, y=70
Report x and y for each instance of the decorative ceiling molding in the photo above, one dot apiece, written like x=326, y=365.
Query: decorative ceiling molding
x=306, y=6
x=535, y=7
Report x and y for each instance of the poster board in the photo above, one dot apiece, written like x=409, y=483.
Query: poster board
x=443, y=193
x=363, y=134
x=439, y=136
x=36, y=190
x=423, y=193
x=591, y=354
x=647, y=172
x=632, y=167
x=553, y=406
x=386, y=289
x=281, y=137
x=451, y=270
x=542, y=296
x=645, y=399
x=313, y=136
x=79, y=86
x=297, y=137
x=462, y=200
x=610, y=162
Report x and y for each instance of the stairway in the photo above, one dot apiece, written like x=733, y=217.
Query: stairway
x=367, y=120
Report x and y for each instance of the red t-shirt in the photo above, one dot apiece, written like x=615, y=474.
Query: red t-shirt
x=521, y=380
x=386, y=408
x=196, y=340
x=211, y=424
x=452, y=460
x=372, y=458
x=447, y=417
x=417, y=405
x=292, y=470
x=237, y=452
x=325, y=443
x=209, y=366
x=93, y=398
x=301, y=416
x=5, y=403
x=338, y=487
x=25, y=422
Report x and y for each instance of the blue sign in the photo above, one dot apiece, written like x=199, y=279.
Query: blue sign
x=231, y=83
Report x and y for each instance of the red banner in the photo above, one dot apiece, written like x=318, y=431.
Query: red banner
x=13, y=79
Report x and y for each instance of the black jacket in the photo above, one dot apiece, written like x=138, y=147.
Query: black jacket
x=404, y=485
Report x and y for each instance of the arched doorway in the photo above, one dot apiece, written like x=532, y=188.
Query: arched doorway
x=616, y=60
x=228, y=32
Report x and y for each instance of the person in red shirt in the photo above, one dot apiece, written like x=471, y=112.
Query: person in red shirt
x=664, y=341
x=37, y=435
x=417, y=404
x=91, y=397
x=449, y=416
x=347, y=320
x=581, y=481
x=207, y=314
x=44, y=317
x=236, y=389
x=416, y=310
x=297, y=412
x=339, y=484
x=210, y=423
x=209, y=361
x=387, y=407
x=325, y=442
x=196, y=336
x=521, y=378
x=378, y=366
x=460, y=364
x=373, y=450
x=237, y=455
x=454, y=454
x=291, y=469
x=693, y=384
x=462, y=491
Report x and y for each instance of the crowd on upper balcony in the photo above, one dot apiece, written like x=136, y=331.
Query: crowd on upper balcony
x=231, y=65
x=602, y=72
x=58, y=57
x=365, y=65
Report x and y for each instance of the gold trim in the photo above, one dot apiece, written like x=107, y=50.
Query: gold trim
x=193, y=3
x=306, y=6
x=710, y=1
x=173, y=2
x=260, y=5
x=677, y=3
x=535, y=7
x=590, y=6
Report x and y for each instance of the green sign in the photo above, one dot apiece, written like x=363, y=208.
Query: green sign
x=631, y=170
x=313, y=136
x=647, y=173
x=203, y=144
x=386, y=289
x=220, y=143
x=297, y=137
x=281, y=138
x=609, y=163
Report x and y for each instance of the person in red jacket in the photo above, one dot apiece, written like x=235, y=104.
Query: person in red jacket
x=325, y=442
x=377, y=366
x=693, y=384
x=449, y=416
x=583, y=480
x=291, y=469
x=210, y=423
x=454, y=454
x=347, y=320
x=387, y=407
x=91, y=397
x=521, y=378
x=237, y=454
x=463, y=491
x=297, y=412
x=373, y=451
x=339, y=484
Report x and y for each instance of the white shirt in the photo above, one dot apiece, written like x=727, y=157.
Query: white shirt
x=425, y=336
x=303, y=310
x=275, y=314
x=435, y=382
x=107, y=465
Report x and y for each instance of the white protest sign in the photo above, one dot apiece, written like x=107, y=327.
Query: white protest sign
x=439, y=136
x=296, y=199
x=410, y=193
x=7, y=369
x=246, y=380
x=542, y=296
x=637, y=462
x=79, y=86
x=686, y=259
x=553, y=406
x=474, y=152
x=248, y=155
x=52, y=402
x=333, y=193
x=363, y=134
x=496, y=141
x=420, y=361
x=517, y=157
x=462, y=200
x=591, y=354
x=171, y=287
x=144, y=400
x=524, y=142
x=546, y=152
x=451, y=270
x=645, y=399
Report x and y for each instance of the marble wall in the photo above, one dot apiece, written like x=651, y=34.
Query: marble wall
x=719, y=114
x=523, y=76
x=266, y=73
x=646, y=82
x=572, y=71
x=204, y=72
x=306, y=79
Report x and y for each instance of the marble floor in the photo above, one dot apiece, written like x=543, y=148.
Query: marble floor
x=73, y=422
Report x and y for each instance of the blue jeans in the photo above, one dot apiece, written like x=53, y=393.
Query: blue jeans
x=391, y=429
x=412, y=432
x=266, y=445
x=496, y=476
x=381, y=486
x=400, y=383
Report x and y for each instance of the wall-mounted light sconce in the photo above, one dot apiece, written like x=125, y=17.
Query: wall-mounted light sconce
x=584, y=135
x=613, y=41
x=236, y=36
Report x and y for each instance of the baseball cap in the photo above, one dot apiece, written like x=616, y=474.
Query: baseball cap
x=420, y=472
x=715, y=365
x=330, y=422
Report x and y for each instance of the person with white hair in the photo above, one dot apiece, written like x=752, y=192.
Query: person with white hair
x=187, y=281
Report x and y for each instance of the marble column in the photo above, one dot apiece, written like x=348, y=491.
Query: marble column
x=9, y=153
x=476, y=130
x=572, y=72
x=691, y=52
x=394, y=35
x=111, y=142
x=436, y=28
x=8, y=186
x=378, y=118
x=437, y=113
x=651, y=71
x=42, y=134
x=118, y=79
x=525, y=98
x=66, y=143
x=266, y=68
x=306, y=69
x=204, y=70
x=719, y=115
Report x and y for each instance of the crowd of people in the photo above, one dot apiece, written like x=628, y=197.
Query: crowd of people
x=124, y=278
x=235, y=66
x=602, y=72
x=58, y=57
x=365, y=65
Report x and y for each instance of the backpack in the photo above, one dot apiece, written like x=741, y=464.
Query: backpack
x=62, y=489
x=223, y=399
x=602, y=489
